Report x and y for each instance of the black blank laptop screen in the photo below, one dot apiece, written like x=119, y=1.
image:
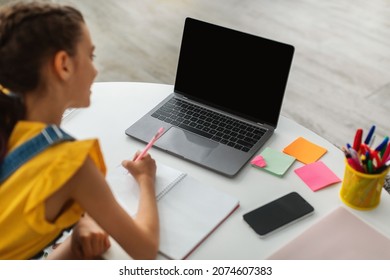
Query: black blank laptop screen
x=234, y=71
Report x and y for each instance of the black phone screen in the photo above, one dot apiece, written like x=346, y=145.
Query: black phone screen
x=278, y=213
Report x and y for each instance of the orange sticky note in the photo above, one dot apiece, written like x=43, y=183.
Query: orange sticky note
x=304, y=150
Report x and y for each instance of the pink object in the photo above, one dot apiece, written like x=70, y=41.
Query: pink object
x=151, y=143
x=317, y=175
x=259, y=161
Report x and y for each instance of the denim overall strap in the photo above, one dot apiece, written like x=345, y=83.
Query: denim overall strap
x=50, y=135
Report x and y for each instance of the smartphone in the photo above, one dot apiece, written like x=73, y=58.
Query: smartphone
x=278, y=213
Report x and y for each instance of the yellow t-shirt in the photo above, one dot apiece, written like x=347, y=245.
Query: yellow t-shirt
x=24, y=229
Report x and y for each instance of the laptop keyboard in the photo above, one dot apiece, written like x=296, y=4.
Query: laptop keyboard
x=209, y=124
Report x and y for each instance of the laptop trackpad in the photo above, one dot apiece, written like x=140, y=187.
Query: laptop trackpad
x=186, y=144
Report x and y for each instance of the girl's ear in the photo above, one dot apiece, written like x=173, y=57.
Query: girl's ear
x=63, y=65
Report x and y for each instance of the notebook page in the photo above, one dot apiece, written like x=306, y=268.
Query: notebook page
x=126, y=190
x=189, y=213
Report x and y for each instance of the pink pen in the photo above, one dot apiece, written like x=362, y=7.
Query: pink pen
x=151, y=143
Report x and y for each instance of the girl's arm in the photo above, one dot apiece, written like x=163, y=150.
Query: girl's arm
x=138, y=236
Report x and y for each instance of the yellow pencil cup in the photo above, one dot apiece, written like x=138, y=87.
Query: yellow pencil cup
x=361, y=191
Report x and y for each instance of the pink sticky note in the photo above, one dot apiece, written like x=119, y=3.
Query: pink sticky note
x=259, y=161
x=317, y=175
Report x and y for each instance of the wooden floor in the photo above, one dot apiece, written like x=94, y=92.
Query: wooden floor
x=340, y=78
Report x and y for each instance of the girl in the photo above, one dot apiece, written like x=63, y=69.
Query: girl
x=46, y=66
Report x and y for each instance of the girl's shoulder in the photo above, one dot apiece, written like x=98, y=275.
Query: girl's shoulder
x=69, y=152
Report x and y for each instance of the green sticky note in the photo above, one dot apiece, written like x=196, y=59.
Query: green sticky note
x=277, y=162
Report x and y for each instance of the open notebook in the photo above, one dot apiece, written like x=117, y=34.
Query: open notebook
x=189, y=210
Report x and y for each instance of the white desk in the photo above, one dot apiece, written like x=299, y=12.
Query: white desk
x=114, y=106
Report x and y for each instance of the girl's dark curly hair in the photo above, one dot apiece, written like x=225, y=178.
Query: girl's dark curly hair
x=30, y=33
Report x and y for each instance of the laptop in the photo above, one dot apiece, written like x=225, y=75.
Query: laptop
x=226, y=101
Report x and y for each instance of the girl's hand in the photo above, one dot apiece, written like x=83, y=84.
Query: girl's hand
x=89, y=240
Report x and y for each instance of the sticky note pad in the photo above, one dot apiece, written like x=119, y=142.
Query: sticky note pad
x=304, y=150
x=317, y=175
x=276, y=162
